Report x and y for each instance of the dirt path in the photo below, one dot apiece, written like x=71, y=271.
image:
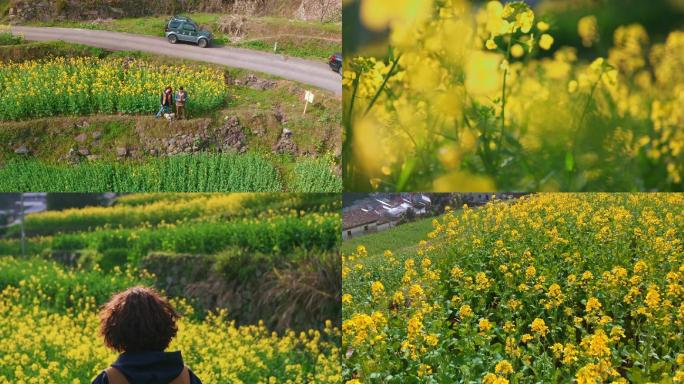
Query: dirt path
x=309, y=72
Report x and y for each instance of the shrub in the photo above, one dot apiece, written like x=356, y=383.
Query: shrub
x=113, y=257
x=7, y=38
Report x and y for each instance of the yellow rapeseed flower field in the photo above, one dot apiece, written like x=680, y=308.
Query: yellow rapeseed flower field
x=154, y=213
x=479, y=97
x=585, y=288
x=48, y=334
x=85, y=85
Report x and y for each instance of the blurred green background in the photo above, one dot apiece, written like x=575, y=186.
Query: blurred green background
x=657, y=16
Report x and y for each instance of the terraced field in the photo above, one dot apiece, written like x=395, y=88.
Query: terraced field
x=270, y=253
x=81, y=119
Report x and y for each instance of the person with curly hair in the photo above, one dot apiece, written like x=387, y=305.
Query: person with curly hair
x=139, y=324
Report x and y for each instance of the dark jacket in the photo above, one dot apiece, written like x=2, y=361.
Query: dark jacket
x=149, y=368
x=167, y=100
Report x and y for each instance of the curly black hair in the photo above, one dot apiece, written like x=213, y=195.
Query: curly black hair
x=138, y=319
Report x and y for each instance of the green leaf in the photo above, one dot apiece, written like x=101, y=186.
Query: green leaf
x=406, y=171
x=569, y=161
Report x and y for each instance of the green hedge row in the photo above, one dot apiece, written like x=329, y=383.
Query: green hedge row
x=273, y=236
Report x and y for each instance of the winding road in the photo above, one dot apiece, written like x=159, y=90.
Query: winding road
x=305, y=71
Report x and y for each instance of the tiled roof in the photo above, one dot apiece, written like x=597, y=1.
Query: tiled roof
x=357, y=217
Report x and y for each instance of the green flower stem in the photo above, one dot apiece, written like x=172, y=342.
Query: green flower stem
x=347, y=160
x=578, y=129
x=389, y=74
x=503, y=103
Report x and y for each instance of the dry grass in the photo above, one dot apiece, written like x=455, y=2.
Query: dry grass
x=315, y=285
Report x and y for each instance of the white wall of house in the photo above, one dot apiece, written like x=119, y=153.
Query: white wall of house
x=387, y=225
x=359, y=230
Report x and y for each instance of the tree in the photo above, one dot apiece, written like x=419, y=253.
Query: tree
x=408, y=216
x=61, y=201
x=8, y=200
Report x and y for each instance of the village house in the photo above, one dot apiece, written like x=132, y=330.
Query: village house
x=381, y=212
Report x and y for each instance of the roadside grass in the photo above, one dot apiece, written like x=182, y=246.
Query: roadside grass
x=331, y=27
x=6, y=36
x=305, y=39
x=316, y=132
x=44, y=49
x=400, y=238
x=4, y=10
x=292, y=46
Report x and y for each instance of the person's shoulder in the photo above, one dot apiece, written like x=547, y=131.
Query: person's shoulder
x=101, y=379
x=193, y=378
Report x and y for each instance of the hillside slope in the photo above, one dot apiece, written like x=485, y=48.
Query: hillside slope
x=47, y=10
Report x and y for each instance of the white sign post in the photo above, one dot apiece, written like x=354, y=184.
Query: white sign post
x=308, y=98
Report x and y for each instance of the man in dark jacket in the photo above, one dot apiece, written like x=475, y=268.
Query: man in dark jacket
x=140, y=324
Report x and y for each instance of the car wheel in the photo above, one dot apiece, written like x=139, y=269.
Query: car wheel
x=203, y=43
x=173, y=39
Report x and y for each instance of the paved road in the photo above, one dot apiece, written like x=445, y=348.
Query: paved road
x=305, y=71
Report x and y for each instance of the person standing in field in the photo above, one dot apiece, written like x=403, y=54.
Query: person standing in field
x=181, y=99
x=139, y=323
x=166, y=101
